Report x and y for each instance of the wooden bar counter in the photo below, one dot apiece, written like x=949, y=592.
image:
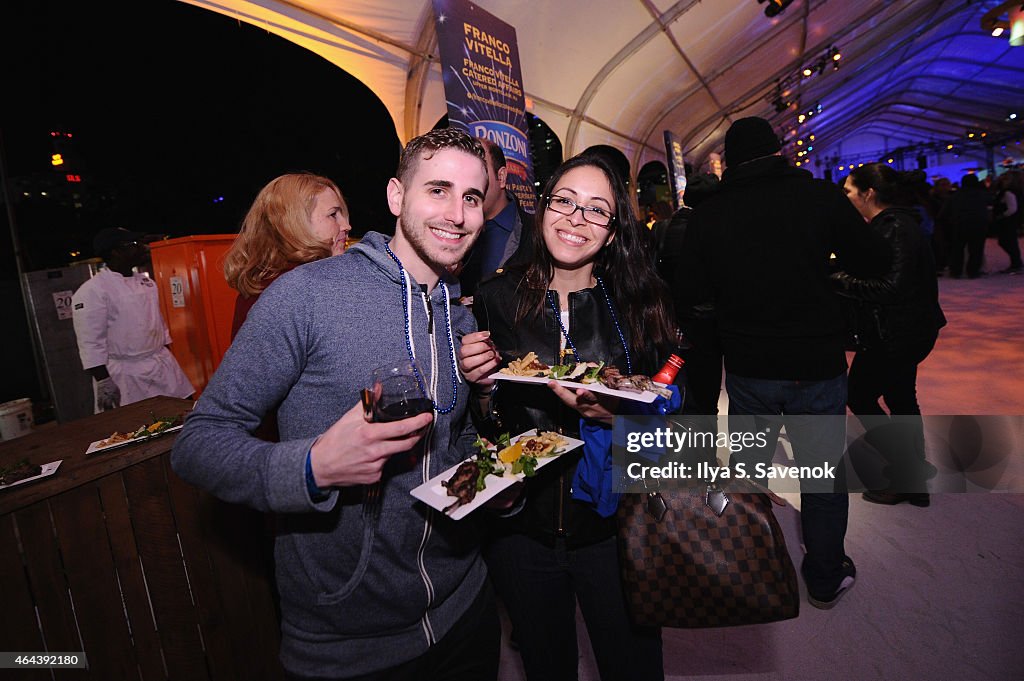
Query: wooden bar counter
x=117, y=557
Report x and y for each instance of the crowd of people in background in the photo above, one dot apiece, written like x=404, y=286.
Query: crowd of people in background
x=765, y=277
x=963, y=215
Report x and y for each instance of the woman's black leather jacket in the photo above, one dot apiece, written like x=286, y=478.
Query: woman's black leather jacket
x=899, y=311
x=550, y=512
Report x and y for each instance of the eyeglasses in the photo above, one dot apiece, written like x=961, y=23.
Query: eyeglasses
x=595, y=216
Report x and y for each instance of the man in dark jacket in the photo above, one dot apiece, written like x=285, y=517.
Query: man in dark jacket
x=968, y=212
x=507, y=227
x=703, y=354
x=760, y=249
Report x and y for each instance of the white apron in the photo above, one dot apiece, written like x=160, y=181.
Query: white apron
x=118, y=325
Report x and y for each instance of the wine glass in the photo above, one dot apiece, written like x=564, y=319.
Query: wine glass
x=397, y=392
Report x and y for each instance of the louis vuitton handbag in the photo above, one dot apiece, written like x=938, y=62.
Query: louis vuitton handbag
x=698, y=556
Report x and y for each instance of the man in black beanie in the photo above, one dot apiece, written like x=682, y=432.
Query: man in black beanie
x=759, y=249
x=749, y=139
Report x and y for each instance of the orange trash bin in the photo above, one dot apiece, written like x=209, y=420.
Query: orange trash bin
x=196, y=301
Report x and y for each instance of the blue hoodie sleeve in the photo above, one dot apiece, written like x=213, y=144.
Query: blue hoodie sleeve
x=216, y=449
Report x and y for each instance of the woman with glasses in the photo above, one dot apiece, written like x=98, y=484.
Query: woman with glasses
x=296, y=218
x=588, y=294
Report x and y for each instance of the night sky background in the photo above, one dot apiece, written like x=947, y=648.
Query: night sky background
x=179, y=116
x=171, y=108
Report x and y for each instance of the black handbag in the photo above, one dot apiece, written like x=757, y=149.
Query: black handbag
x=698, y=556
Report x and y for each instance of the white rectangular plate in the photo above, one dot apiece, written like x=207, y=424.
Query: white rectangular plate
x=95, y=446
x=435, y=495
x=48, y=470
x=646, y=396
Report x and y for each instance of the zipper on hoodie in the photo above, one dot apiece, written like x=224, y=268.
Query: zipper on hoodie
x=427, y=626
x=428, y=306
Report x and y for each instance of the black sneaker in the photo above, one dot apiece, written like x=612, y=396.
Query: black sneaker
x=828, y=602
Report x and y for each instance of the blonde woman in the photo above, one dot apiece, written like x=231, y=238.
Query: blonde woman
x=295, y=219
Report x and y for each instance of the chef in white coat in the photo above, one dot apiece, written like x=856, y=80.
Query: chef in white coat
x=122, y=337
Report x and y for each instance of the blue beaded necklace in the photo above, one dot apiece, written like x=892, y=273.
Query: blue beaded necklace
x=408, y=336
x=615, y=320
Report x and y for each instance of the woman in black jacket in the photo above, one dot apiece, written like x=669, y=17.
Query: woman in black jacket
x=897, y=322
x=590, y=293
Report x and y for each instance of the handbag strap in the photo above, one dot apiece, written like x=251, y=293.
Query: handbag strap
x=715, y=498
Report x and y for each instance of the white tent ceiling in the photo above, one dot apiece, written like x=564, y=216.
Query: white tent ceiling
x=621, y=72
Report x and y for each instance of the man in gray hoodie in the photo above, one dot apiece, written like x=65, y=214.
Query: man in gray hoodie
x=373, y=584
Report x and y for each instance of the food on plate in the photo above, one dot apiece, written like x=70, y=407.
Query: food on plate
x=158, y=426
x=527, y=366
x=585, y=373
x=542, y=444
x=510, y=454
x=581, y=372
x=19, y=471
x=637, y=383
x=116, y=438
x=522, y=456
x=463, y=484
x=471, y=476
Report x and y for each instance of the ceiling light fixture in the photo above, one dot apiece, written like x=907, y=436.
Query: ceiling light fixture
x=775, y=7
x=1006, y=15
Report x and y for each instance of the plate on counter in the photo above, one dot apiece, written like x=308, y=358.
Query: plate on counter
x=646, y=396
x=435, y=495
x=99, y=445
x=47, y=470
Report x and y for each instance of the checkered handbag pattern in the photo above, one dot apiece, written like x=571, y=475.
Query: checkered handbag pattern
x=694, y=568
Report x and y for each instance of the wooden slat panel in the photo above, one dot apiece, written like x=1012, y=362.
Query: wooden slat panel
x=185, y=501
x=129, y=571
x=19, y=629
x=236, y=544
x=89, y=566
x=259, y=590
x=46, y=576
x=157, y=541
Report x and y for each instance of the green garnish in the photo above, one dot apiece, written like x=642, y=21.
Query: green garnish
x=560, y=370
x=525, y=464
x=592, y=372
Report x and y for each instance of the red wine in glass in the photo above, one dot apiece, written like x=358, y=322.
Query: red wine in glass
x=398, y=393
x=396, y=411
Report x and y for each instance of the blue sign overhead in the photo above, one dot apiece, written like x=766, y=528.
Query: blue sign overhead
x=483, y=86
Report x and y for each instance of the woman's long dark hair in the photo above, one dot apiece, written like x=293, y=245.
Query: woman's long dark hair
x=892, y=187
x=641, y=298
